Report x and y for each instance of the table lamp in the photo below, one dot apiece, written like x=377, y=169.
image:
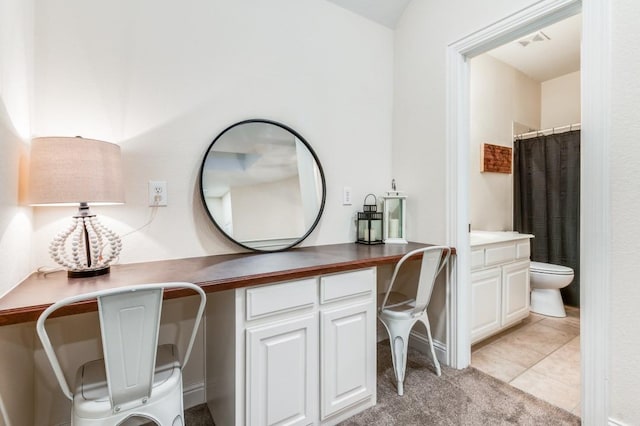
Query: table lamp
x=68, y=171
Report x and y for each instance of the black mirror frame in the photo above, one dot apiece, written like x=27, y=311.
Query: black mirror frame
x=315, y=157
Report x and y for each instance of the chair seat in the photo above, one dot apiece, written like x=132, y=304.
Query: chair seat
x=91, y=396
x=397, y=303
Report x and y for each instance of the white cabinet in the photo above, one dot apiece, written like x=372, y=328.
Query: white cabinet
x=294, y=353
x=515, y=292
x=499, y=287
x=282, y=383
x=348, y=361
x=485, y=293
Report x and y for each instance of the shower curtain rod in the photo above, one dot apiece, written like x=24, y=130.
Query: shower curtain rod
x=549, y=131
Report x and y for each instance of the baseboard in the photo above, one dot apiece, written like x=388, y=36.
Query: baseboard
x=421, y=343
x=612, y=422
x=193, y=395
x=350, y=411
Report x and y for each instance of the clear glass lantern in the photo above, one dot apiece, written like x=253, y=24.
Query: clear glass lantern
x=395, y=217
x=370, y=223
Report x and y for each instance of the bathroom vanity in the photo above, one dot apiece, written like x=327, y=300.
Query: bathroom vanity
x=499, y=281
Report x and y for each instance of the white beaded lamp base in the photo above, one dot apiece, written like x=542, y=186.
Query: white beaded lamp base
x=86, y=248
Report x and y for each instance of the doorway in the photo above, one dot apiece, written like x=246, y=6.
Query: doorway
x=596, y=142
x=525, y=98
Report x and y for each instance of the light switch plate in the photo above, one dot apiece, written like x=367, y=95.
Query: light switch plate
x=346, y=196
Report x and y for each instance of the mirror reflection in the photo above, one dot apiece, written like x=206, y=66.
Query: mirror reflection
x=262, y=185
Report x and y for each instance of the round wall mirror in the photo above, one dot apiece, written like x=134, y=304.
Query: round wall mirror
x=262, y=185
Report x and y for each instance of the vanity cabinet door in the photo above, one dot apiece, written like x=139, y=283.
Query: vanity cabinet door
x=282, y=372
x=485, y=296
x=515, y=292
x=348, y=359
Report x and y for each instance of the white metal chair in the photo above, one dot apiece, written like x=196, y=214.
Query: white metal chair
x=399, y=312
x=136, y=377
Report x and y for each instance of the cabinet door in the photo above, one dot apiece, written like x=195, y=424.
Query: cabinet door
x=348, y=357
x=515, y=292
x=485, y=303
x=282, y=372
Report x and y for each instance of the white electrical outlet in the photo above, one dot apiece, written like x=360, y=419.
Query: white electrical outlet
x=346, y=196
x=157, y=193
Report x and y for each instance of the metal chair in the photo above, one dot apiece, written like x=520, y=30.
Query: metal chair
x=136, y=377
x=399, y=312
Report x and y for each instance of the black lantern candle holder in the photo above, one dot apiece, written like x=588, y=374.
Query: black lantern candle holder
x=370, y=223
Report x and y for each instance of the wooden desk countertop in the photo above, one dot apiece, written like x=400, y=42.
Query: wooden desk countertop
x=213, y=273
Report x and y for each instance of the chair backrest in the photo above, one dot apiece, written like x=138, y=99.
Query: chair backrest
x=129, y=325
x=434, y=258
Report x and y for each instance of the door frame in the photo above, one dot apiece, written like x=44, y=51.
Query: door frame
x=595, y=203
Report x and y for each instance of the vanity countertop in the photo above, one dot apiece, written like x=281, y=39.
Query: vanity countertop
x=213, y=273
x=480, y=238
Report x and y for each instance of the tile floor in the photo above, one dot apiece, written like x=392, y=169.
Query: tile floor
x=540, y=356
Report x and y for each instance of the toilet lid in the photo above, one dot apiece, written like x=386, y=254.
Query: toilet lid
x=549, y=268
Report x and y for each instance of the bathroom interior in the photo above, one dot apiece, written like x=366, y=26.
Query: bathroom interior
x=525, y=96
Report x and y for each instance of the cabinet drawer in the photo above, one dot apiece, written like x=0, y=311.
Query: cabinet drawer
x=523, y=250
x=477, y=258
x=500, y=254
x=278, y=298
x=347, y=284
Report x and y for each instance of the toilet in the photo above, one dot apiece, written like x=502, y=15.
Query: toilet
x=546, y=281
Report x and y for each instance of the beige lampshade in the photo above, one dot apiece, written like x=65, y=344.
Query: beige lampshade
x=67, y=170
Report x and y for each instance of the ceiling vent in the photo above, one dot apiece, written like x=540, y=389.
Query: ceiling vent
x=533, y=38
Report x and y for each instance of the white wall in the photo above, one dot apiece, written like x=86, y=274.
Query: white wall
x=16, y=80
x=16, y=342
x=625, y=205
x=499, y=96
x=162, y=79
x=561, y=101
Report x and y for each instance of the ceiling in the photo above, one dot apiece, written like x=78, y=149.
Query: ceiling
x=552, y=52
x=385, y=12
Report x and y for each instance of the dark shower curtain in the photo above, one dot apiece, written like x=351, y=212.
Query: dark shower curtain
x=546, y=204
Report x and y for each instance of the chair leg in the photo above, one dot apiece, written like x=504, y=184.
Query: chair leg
x=399, y=341
x=425, y=321
x=399, y=352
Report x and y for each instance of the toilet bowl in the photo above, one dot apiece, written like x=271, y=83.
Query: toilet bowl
x=546, y=281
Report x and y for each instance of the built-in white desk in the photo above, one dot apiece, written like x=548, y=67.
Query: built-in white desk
x=289, y=335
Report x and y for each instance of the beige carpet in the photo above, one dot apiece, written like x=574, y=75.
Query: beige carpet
x=198, y=416
x=458, y=397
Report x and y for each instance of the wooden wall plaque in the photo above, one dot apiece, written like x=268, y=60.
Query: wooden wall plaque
x=495, y=158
